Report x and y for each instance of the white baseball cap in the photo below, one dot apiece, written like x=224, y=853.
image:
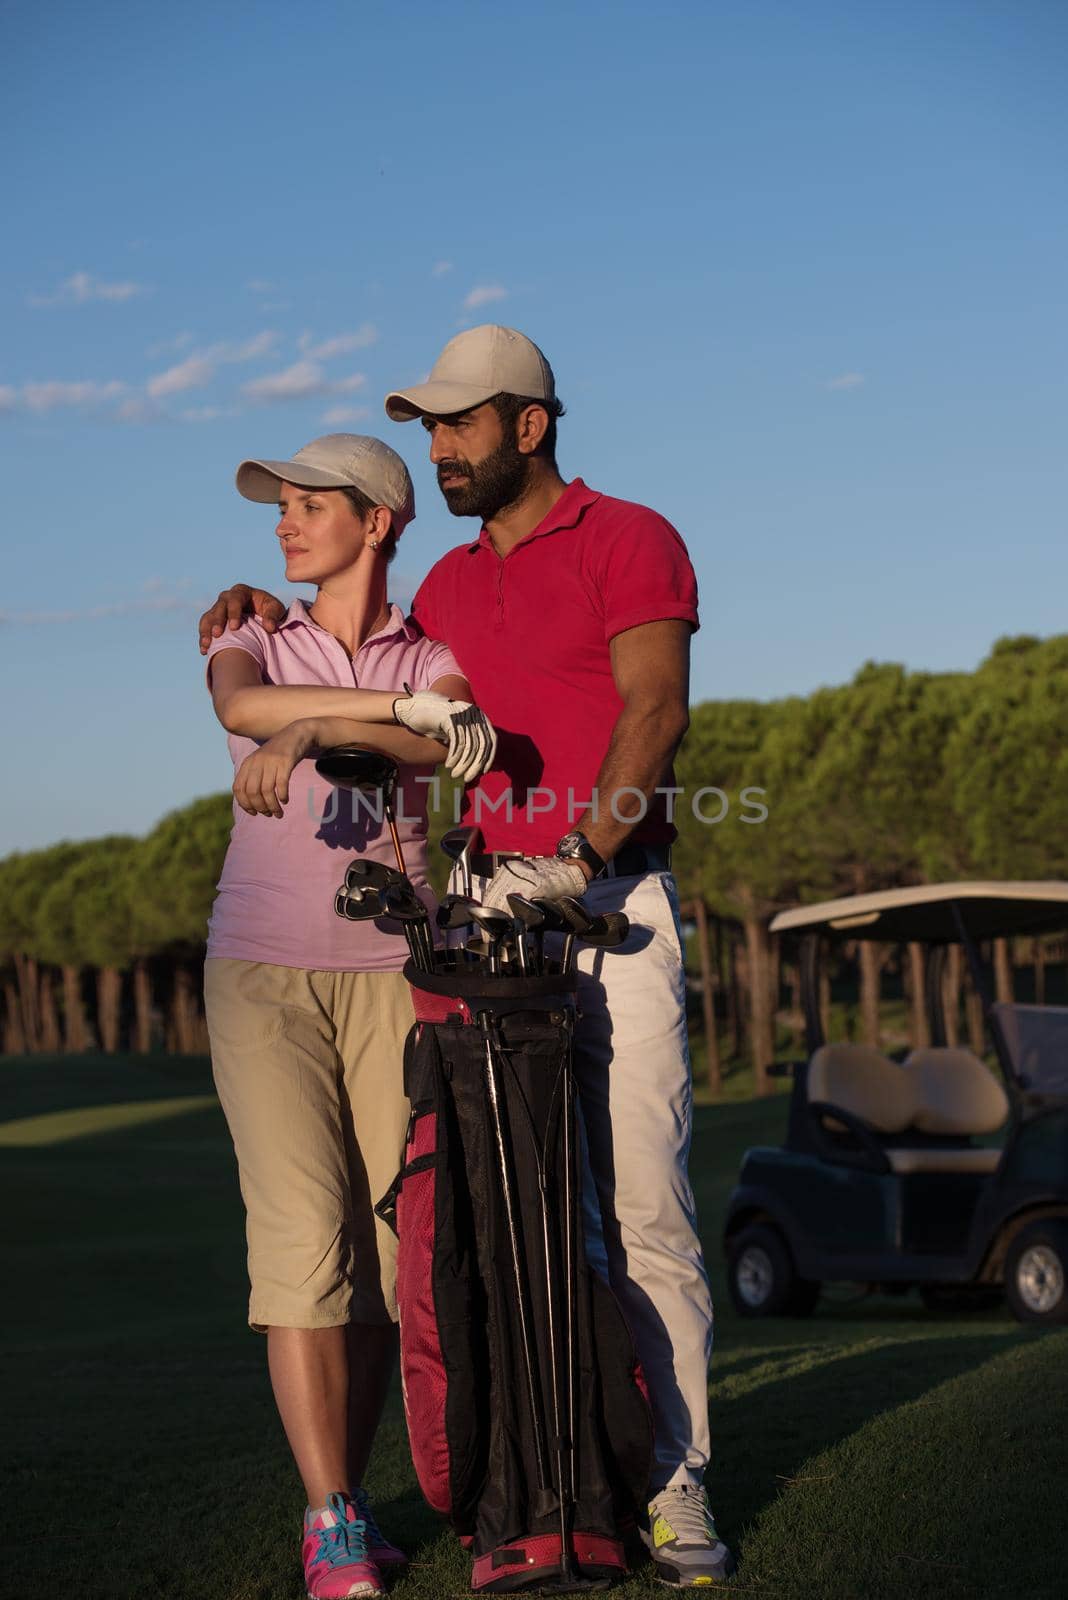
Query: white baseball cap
x=337, y=461
x=471, y=369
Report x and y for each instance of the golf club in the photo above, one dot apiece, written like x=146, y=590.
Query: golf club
x=578, y=920
x=555, y=922
x=349, y=767
x=495, y=926
x=531, y=920
x=401, y=902
x=459, y=844
x=545, y=1499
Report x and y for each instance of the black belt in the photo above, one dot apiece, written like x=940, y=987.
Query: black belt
x=626, y=863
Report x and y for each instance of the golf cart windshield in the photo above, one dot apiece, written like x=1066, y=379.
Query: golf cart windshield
x=1036, y=1038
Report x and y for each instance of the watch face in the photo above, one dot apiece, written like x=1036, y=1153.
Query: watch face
x=569, y=844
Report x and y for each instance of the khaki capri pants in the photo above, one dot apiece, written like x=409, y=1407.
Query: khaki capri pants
x=309, y=1070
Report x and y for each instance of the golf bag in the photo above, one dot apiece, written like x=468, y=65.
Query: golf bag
x=527, y=1412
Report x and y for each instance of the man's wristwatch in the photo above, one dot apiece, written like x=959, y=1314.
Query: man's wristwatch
x=576, y=847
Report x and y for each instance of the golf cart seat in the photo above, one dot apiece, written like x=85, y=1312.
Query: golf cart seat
x=920, y=1113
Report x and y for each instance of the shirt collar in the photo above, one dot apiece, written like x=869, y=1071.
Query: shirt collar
x=395, y=623
x=566, y=513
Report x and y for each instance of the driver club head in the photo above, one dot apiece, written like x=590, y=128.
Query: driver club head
x=349, y=767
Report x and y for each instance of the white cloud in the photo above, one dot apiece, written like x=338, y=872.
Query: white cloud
x=206, y=413
x=261, y=286
x=297, y=382
x=845, y=380
x=483, y=294
x=293, y=383
x=259, y=345
x=81, y=287
x=193, y=373
x=54, y=393
x=197, y=370
x=440, y=268
x=8, y=397
x=157, y=595
x=337, y=416
x=167, y=347
x=341, y=344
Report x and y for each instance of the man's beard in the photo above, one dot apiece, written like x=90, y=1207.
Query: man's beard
x=490, y=485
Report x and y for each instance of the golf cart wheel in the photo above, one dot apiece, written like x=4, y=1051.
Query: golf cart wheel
x=762, y=1278
x=1036, y=1272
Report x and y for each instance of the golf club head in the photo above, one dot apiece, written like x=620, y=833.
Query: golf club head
x=455, y=910
x=574, y=913
x=365, y=874
x=399, y=899
x=555, y=921
x=349, y=767
x=525, y=912
x=494, y=924
x=460, y=844
x=606, y=931
x=358, y=905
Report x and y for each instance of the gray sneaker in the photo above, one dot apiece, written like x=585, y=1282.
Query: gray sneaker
x=687, y=1551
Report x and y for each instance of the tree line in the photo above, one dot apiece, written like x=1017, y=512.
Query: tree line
x=896, y=777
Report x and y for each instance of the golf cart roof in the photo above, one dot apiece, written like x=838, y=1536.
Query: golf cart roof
x=925, y=913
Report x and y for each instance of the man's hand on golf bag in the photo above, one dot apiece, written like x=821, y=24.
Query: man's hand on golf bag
x=536, y=878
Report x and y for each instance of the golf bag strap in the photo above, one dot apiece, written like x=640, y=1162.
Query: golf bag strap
x=541, y=1553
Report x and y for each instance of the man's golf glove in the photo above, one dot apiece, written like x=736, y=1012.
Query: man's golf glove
x=537, y=878
x=467, y=731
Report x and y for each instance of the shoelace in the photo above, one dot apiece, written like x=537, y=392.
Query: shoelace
x=373, y=1532
x=688, y=1513
x=345, y=1542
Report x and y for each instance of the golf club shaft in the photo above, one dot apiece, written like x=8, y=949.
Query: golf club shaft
x=391, y=822
x=504, y=1171
x=563, y=1437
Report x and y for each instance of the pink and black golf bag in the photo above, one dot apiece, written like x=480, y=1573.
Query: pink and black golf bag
x=527, y=1413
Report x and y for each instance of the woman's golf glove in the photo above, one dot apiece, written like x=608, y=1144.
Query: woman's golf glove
x=467, y=731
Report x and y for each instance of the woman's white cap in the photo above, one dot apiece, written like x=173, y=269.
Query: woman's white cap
x=337, y=461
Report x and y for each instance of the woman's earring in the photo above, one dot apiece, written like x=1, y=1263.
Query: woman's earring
x=374, y=544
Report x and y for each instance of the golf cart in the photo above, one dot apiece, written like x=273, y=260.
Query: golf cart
x=883, y=1179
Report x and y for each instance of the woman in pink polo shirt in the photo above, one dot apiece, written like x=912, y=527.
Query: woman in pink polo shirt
x=308, y=1013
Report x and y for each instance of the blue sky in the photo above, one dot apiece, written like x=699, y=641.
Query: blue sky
x=800, y=270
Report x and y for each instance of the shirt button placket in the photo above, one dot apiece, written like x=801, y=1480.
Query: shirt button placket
x=499, y=614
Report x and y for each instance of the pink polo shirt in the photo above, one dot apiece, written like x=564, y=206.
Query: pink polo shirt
x=532, y=632
x=276, y=894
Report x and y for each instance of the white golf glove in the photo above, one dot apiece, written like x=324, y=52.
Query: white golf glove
x=467, y=731
x=535, y=878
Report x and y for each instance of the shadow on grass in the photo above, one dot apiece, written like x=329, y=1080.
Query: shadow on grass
x=763, y=1436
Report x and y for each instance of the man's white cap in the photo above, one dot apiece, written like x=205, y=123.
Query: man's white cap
x=337, y=461
x=471, y=369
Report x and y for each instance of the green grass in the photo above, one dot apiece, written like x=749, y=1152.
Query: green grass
x=870, y=1451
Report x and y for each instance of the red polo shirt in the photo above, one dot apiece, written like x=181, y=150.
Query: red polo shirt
x=531, y=632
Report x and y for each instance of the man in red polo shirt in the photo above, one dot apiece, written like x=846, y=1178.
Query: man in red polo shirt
x=571, y=615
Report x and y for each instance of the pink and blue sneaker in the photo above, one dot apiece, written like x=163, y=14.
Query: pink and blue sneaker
x=386, y=1556
x=337, y=1561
